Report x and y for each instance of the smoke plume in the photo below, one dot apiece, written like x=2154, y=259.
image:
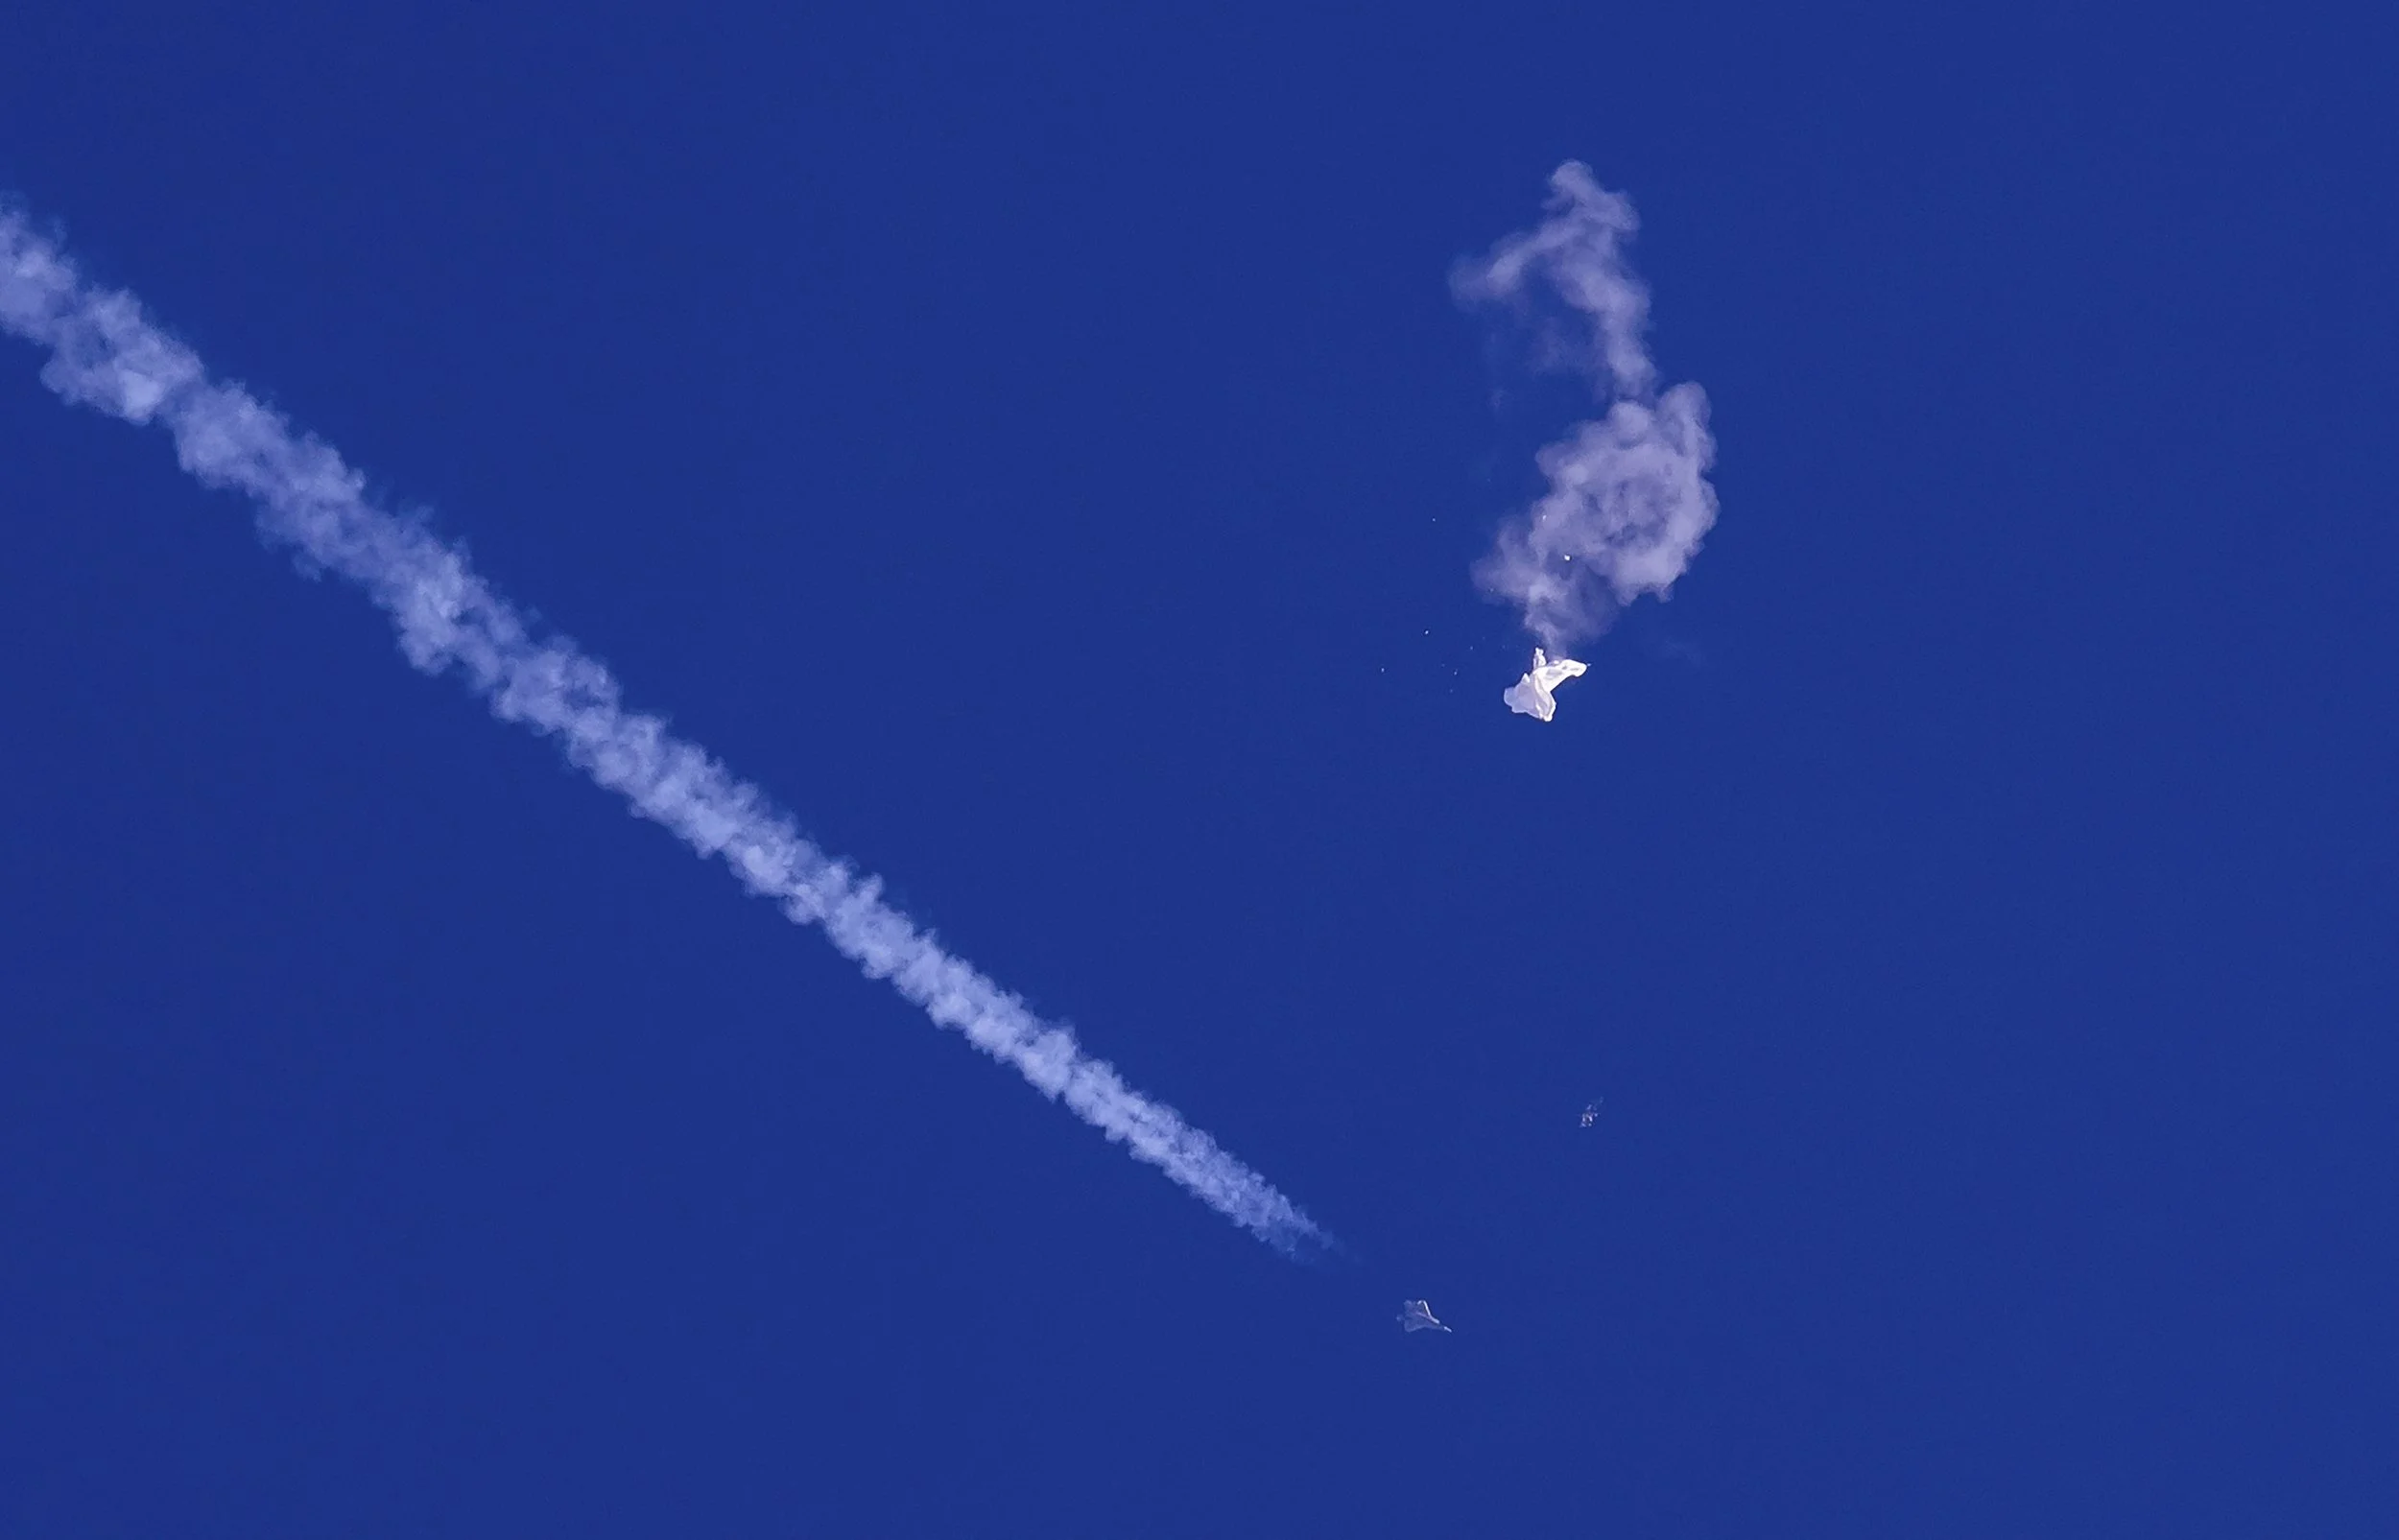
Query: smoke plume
x=1629, y=500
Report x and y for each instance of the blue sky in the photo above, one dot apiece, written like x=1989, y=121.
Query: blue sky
x=1044, y=453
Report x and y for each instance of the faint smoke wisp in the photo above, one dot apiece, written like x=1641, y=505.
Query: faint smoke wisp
x=107, y=355
x=1629, y=500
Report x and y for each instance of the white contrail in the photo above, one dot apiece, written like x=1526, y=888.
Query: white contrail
x=1629, y=499
x=107, y=354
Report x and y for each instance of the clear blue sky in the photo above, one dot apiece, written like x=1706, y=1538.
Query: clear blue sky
x=1044, y=452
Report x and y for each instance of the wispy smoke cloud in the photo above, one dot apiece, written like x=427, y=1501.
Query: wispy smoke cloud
x=107, y=354
x=1629, y=499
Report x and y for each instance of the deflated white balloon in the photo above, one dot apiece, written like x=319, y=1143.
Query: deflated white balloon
x=1531, y=694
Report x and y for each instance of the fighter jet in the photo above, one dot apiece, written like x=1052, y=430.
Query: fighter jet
x=1416, y=1316
x=1531, y=694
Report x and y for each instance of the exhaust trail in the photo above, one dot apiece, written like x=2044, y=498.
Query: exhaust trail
x=105, y=354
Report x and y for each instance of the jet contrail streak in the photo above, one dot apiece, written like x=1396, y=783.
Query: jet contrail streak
x=107, y=355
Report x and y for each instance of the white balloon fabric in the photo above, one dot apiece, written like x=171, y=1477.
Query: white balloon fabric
x=1531, y=694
